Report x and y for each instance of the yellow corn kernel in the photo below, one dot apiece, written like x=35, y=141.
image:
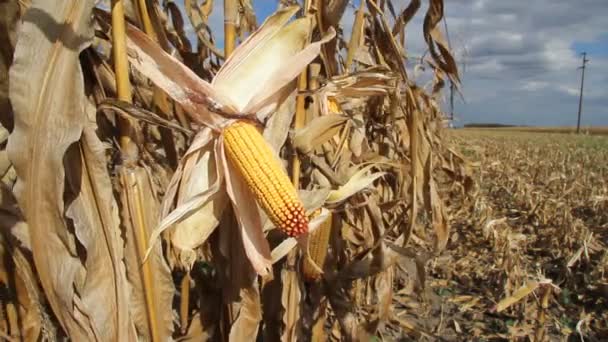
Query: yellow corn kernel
x=318, y=243
x=253, y=158
x=333, y=105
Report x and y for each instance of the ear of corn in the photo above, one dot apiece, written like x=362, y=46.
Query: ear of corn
x=318, y=243
x=250, y=154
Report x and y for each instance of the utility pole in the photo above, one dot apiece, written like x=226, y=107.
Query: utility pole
x=580, y=99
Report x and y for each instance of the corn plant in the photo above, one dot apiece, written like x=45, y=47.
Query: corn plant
x=156, y=187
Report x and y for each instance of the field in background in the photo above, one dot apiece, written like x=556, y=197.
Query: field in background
x=598, y=130
x=536, y=225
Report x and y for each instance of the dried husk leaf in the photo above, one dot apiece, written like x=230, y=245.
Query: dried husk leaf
x=279, y=123
x=254, y=241
x=199, y=174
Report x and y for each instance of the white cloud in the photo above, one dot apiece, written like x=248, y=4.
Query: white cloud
x=520, y=64
x=517, y=61
x=535, y=85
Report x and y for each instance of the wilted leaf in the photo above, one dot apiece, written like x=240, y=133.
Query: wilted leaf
x=50, y=115
x=291, y=301
x=318, y=131
x=245, y=328
x=151, y=285
x=517, y=296
x=357, y=182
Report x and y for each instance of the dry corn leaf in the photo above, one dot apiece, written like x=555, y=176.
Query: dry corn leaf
x=47, y=122
x=434, y=40
x=518, y=295
x=247, y=21
x=357, y=182
x=438, y=215
x=198, y=18
x=15, y=239
x=151, y=285
x=332, y=12
x=94, y=214
x=278, y=125
x=178, y=24
x=200, y=172
x=318, y=131
x=276, y=85
x=405, y=16
x=245, y=327
x=291, y=297
x=8, y=27
x=235, y=274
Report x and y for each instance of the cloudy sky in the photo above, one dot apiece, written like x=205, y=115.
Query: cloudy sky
x=519, y=58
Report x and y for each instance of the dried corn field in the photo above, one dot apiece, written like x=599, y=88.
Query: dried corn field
x=527, y=257
x=288, y=181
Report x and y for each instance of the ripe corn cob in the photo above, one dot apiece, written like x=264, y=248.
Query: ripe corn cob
x=252, y=157
x=317, y=247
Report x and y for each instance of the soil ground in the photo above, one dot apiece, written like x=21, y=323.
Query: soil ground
x=537, y=220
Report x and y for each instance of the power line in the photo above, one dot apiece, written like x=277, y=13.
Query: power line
x=580, y=99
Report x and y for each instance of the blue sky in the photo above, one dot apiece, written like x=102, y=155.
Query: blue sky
x=519, y=58
x=597, y=47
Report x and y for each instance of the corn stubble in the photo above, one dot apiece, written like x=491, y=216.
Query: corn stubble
x=136, y=163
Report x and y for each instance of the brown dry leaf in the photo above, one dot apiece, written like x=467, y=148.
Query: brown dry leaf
x=247, y=21
x=47, y=123
x=178, y=24
x=200, y=172
x=234, y=274
x=332, y=12
x=318, y=131
x=405, y=16
x=278, y=125
x=196, y=332
x=434, y=40
x=15, y=240
x=438, y=214
x=245, y=327
x=8, y=26
x=94, y=214
x=151, y=285
x=177, y=80
x=518, y=295
x=198, y=18
x=290, y=300
x=357, y=182
x=6, y=167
